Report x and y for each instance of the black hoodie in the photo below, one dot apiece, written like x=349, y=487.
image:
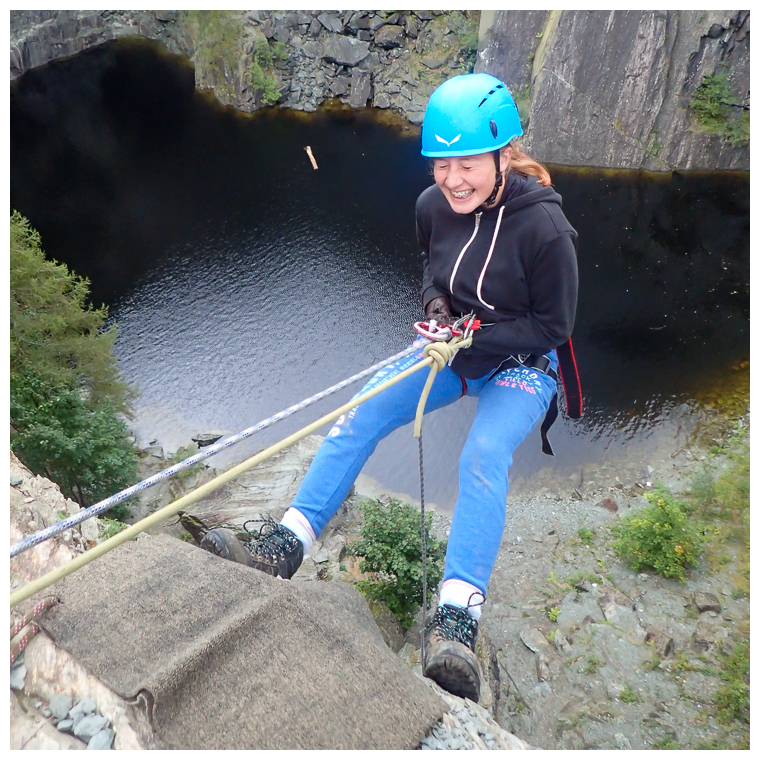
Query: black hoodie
x=514, y=265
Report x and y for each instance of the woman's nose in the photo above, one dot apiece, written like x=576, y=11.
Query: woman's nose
x=453, y=177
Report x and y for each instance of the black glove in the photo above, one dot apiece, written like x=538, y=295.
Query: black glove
x=439, y=309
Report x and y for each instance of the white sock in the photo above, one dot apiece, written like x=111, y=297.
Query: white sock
x=462, y=594
x=295, y=520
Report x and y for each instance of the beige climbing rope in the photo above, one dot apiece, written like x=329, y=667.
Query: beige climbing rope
x=441, y=353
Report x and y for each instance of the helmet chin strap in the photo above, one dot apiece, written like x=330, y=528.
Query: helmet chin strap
x=499, y=179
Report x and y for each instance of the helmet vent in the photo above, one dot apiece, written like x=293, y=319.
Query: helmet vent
x=491, y=92
x=494, y=128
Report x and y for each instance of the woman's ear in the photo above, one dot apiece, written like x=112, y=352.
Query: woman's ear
x=506, y=157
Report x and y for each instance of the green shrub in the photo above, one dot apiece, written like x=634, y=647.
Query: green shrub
x=216, y=35
x=660, y=537
x=629, y=696
x=468, y=49
x=66, y=397
x=732, y=488
x=391, y=550
x=592, y=665
x=586, y=535
x=723, y=502
x=710, y=102
x=109, y=528
x=733, y=699
x=711, y=106
x=265, y=54
x=183, y=453
x=265, y=84
x=85, y=451
x=218, y=38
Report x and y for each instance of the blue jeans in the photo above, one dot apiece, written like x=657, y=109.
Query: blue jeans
x=510, y=404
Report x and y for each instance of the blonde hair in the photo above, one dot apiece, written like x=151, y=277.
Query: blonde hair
x=522, y=163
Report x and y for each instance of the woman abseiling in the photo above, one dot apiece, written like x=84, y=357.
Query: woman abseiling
x=495, y=242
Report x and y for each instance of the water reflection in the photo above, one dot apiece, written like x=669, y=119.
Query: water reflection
x=242, y=280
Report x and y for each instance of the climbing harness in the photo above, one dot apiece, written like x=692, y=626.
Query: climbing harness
x=163, y=514
x=111, y=501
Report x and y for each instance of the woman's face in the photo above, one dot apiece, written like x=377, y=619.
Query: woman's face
x=467, y=181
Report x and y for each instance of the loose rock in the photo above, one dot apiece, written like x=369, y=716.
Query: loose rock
x=705, y=601
x=89, y=726
x=534, y=640
x=60, y=704
x=101, y=740
x=18, y=674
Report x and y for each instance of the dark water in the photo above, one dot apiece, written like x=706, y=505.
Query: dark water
x=242, y=280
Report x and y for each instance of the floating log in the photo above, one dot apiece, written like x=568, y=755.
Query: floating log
x=311, y=156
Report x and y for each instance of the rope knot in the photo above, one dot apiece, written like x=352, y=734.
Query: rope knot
x=440, y=352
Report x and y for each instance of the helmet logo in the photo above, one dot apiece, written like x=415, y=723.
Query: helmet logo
x=449, y=144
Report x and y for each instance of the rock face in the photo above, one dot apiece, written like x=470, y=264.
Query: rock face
x=614, y=88
x=39, y=37
x=595, y=88
x=322, y=48
x=35, y=504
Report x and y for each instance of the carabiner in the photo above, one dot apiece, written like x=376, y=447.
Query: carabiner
x=431, y=331
x=470, y=325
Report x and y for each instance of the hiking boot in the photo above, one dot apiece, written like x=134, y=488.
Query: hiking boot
x=225, y=544
x=450, y=658
x=277, y=552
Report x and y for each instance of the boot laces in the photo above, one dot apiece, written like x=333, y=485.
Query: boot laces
x=455, y=624
x=276, y=543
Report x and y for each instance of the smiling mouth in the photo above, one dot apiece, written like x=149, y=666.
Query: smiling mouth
x=462, y=195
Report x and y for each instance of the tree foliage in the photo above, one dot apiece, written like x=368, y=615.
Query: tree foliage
x=54, y=331
x=712, y=105
x=391, y=548
x=85, y=451
x=67, y=399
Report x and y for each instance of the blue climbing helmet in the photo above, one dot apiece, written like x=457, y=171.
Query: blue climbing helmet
x=469, y=114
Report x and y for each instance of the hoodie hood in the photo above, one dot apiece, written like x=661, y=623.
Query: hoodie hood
x=521, y=191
